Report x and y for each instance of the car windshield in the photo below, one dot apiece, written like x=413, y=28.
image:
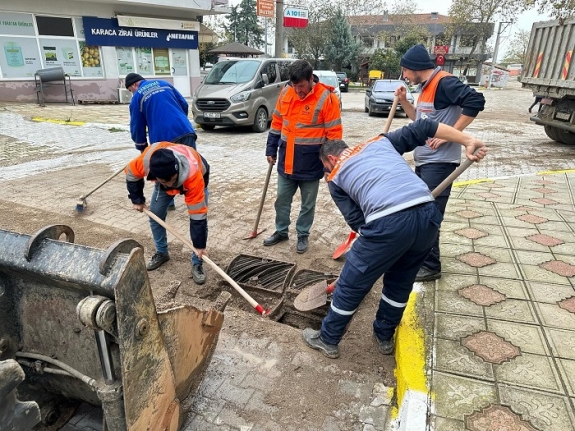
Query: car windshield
x=386, y=86
x=232, y=72
x=329, y=80
x=341, y=75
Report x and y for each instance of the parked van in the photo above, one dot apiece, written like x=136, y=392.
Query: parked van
x=240, y=92
x=329, y=77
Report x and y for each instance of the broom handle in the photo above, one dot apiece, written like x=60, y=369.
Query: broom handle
x=264, y=192
x=215, y=267
x=452, y=177
x=103, y=182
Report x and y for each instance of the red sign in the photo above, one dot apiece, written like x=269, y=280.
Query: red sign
x=266, y=8
x=294, y=17
x=440, y=60
x=441, y=49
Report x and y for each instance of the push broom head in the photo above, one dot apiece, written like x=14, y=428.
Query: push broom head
x=80, y=205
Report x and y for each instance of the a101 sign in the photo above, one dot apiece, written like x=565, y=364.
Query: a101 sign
x=294, y=17
x=265, y=8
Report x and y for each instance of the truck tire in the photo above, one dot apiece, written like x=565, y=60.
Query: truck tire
x=560, y=135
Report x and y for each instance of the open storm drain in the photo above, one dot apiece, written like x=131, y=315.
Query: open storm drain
x=274, y=285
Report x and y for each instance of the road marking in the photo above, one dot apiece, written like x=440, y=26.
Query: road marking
x=64, y=122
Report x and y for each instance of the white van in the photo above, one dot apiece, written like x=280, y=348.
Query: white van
x=240, y=92
x=329, y=77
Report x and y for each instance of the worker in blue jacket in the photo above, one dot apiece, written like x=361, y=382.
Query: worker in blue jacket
x=394, y=213
x=159, y=107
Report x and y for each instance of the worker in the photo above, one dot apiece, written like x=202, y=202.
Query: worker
x=159, y=107
x=392, y=209
x=444, y=98
x=176, y=169
x=307, y=113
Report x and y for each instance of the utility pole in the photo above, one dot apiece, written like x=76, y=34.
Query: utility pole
x=279, y=35
x=496, y=51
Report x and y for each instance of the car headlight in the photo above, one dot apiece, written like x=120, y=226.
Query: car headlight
x=241, y=97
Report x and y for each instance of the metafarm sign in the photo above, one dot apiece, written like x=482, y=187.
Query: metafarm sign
x=295, y=17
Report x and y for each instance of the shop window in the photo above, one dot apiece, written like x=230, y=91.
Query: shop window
x=54, y=26
x=162, y=61
x=125, y=60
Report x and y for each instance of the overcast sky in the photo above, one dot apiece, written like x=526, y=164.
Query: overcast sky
x=524, y=22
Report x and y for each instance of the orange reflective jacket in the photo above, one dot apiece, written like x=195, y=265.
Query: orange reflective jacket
x=190, y=181
x=306, y=122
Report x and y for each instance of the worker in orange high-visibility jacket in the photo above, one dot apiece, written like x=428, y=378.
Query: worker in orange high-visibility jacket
x=307, y=114
x=176, y=169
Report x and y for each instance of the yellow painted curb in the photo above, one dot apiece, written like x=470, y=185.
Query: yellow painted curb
x=65, y=122
x=470, y=182
x=566, y=171
x=409, y=354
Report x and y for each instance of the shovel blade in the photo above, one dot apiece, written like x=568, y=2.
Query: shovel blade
x=342, y=249
x=254, y=234
x=311, y=297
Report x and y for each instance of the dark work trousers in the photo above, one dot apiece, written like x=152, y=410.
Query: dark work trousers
x=433, y=174
x=189, y=140
x=395, y=245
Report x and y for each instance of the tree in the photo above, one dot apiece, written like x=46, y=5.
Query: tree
x=342, y=48
x=243, y=25
x=474, y=19
x=558, y=9
x=517, y=48
x=387, y=61
x=310, y=42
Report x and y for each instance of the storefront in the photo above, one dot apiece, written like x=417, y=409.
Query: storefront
x=95, y=52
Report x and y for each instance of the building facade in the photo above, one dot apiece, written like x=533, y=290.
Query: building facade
x=97, y=43
x=456, y=53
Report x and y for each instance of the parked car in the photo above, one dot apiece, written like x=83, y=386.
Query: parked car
x=379, y=97
x=240, y=92
x=329, y=77
x=343, y=81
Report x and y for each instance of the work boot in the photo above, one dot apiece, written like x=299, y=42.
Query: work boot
x=313, y=339
x=275, y=238
x=157, y=260
x=426, y=274
x=302, y=244
x=198, y=274
x=386, y=347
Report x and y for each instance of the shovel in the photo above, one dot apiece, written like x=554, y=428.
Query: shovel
x=266, y=183
x=344, y=246
x=316, y=295
x=205, y=258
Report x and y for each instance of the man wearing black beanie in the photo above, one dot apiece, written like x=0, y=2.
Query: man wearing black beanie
x=446, y=99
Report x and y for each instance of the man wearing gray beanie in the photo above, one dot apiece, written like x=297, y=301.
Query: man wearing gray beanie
x=446, y=99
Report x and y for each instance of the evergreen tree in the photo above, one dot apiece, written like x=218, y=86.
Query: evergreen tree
x=243, y=26
x=342, y=50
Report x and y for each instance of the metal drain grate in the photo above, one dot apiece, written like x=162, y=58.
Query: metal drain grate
x=260, y=273
x=306, y=278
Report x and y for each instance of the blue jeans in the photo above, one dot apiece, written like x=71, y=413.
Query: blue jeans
x=286, y=191
x=433, y=174
x=159, y=206
x=395, y=245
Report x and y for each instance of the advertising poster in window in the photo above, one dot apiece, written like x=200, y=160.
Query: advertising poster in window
x=21, y=24
x=61, y=52
x=19, y=57
x=91, y=62
x=144, y=57
x=125, y=60
x=179, y=62
x=161, y=61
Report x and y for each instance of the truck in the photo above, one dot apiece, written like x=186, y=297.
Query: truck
x=549, y=71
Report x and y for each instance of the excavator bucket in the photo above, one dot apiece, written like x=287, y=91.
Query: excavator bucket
x=83, y=326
